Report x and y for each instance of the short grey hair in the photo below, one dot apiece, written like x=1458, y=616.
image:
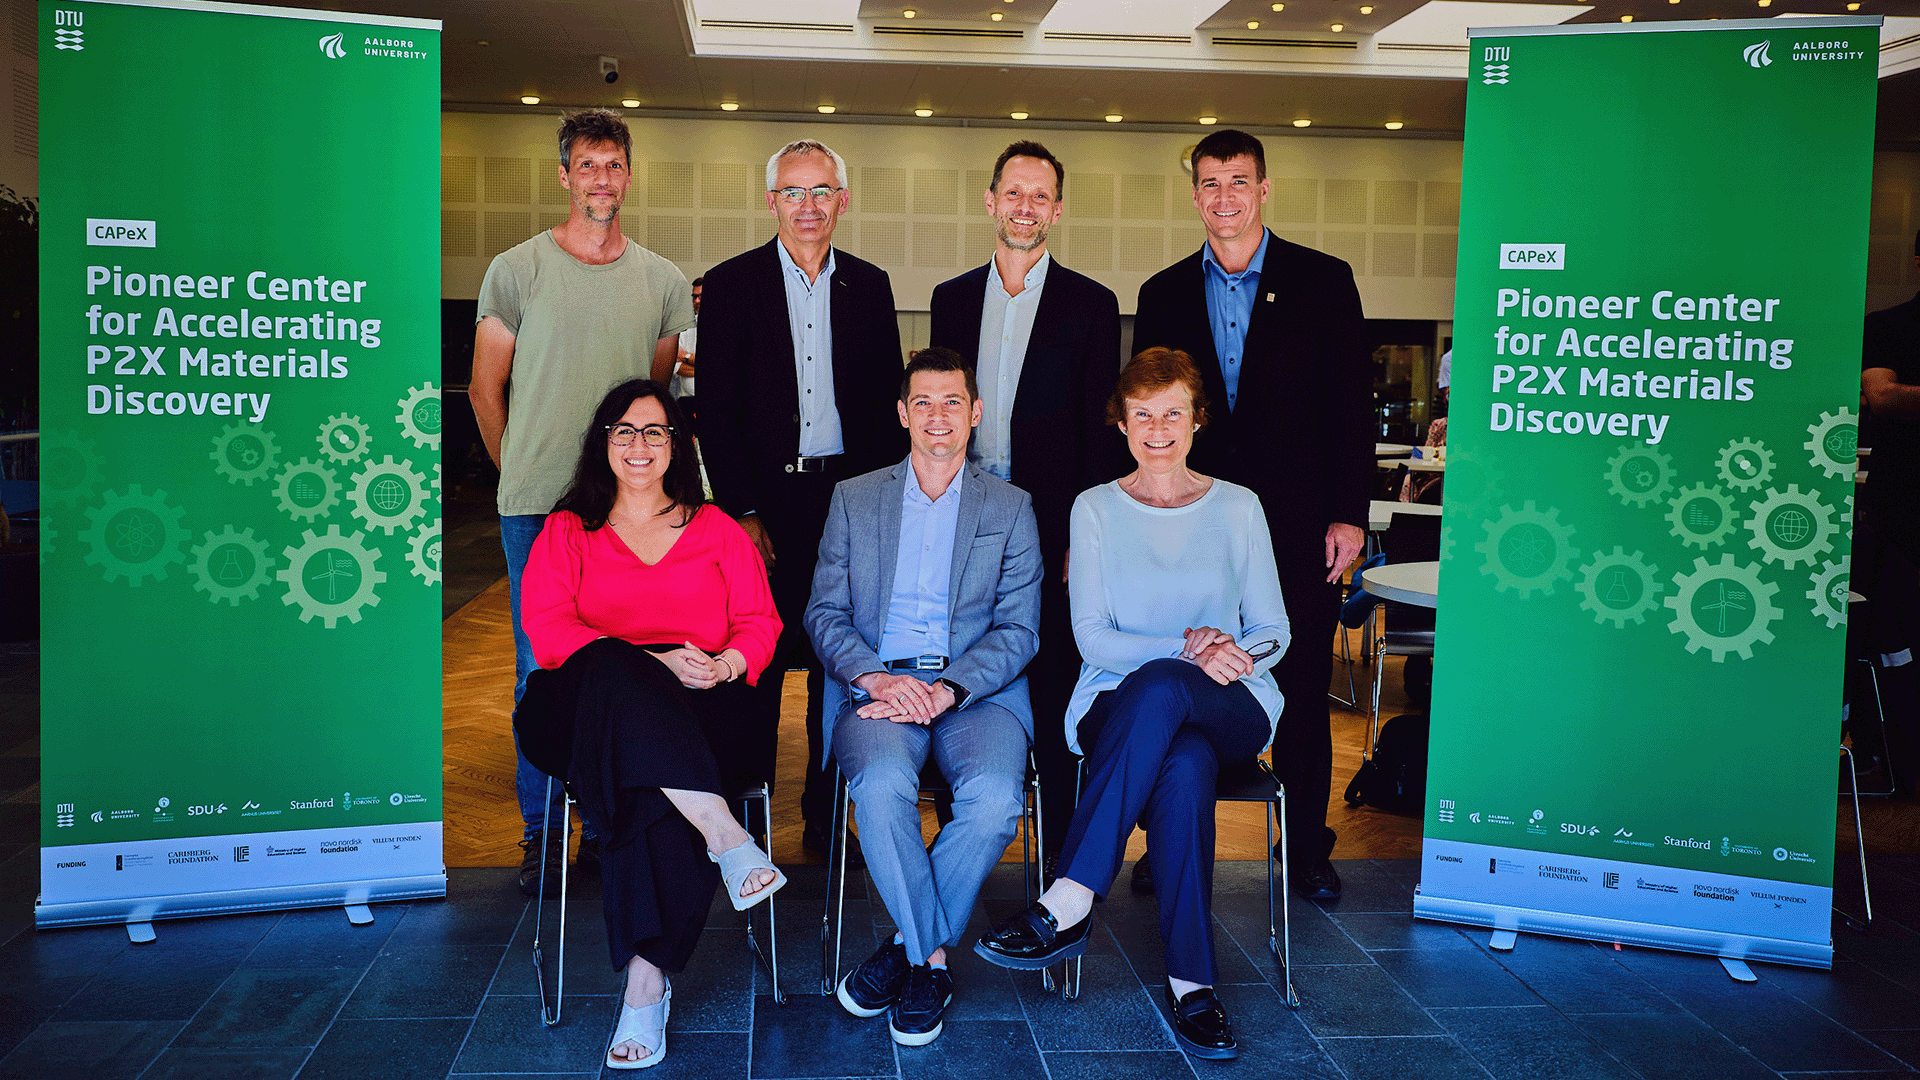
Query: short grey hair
x=806, y=146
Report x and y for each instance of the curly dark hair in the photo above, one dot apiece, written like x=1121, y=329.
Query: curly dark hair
x=590, y=495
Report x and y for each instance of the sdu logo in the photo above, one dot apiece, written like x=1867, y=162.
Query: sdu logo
x=1757, y=55
x=331, y=45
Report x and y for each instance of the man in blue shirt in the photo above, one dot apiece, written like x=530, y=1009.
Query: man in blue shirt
x=925, y=611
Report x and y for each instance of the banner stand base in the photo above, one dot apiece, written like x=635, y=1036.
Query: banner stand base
x=1739, y=947
x=142, y=911
x=359, y=915
x=1502, y=940
x=1738, y=970
x=140, y=933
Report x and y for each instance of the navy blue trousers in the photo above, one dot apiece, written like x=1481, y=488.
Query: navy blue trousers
x=1154, y=746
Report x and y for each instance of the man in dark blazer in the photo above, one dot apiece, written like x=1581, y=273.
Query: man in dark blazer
x=801, y=355
x=1277, y=332
x=1045, y=343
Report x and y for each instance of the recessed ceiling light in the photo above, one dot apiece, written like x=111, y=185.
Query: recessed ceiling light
x=1337, y=27
x=1279, y=7
x=1114, y=118
x=1626, y=18
x=1366, y=9
x=483, y=43
x=1018, y=115
x=529, y=99
x=1209, y=121
x=1303, y=123
x=629, y=103
x=995, y=16
x=1853, y=7
x=923, y=113
x=1766, y=3
x=1394, y=125
x=908, y=14
x=824, y=108
x=729, y=106
x=1253, y=24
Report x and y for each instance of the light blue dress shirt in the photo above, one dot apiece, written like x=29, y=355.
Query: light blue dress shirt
x=810, y=318
x=1006, y=323
x=1229, y=306
x=917, y=613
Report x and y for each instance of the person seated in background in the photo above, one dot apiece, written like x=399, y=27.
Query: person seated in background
x=650, y=615
x=925, y=611
x=1425, y=487
x=1178, y=615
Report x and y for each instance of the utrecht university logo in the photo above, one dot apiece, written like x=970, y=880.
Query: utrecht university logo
x=1756, y=55
x=331, y=45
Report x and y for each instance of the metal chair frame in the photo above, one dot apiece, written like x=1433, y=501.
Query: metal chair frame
x=1279, y=938
x=833, y=912
x=767, y=957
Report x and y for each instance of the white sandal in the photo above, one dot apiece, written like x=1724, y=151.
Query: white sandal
x=644, y=1026
x=736, y=864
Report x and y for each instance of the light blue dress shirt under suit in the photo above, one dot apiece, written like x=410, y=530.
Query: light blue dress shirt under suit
x=922, y=574
x=1006, y=323
x=810, y=318
x=1229, y=306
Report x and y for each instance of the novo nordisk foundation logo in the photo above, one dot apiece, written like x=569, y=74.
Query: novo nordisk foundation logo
x=1756, y=55
x=331, y=45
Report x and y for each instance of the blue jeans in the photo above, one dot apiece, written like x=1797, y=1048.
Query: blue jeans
x=517, y=533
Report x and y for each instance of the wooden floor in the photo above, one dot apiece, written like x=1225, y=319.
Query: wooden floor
x=483, y=822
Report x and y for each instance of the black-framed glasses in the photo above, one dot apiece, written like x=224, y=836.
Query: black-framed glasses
x=1260, y=650
x=801, y=194
x=652, y=434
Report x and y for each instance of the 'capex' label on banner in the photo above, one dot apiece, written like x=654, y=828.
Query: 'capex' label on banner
x=240, y=474
x=1650, y=489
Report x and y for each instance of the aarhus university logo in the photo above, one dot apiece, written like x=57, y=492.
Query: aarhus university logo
x=1756, y=55
x=331, y=45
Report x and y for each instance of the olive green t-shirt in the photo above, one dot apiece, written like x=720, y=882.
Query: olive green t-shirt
x=579, y=330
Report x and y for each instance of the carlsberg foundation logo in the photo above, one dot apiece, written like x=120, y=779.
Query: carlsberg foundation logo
x=331, y=45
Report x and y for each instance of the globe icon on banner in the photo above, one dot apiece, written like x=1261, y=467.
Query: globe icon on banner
x=1791, y=526
x=389, y=494
x=1842, y=443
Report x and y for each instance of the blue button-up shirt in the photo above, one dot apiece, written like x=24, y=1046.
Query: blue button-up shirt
x=1006, y=324
x=1229, y=307
x=810, y=318
x=922, y=573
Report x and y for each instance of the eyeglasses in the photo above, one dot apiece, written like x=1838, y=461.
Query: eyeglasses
x=800, y=194
x=652, y=434
x=1260, y=650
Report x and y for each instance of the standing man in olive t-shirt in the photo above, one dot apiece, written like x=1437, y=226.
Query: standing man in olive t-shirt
x=564, y=316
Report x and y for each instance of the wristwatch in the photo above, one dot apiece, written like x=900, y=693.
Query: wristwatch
x=959, y=692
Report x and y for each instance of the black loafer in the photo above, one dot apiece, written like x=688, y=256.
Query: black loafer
x=1143, y=877
x=1032, y=940
x=1200, y=1024
x=1317, y=881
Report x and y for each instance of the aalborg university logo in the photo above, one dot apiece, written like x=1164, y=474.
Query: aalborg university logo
x=331, y=45
x=1756, y=55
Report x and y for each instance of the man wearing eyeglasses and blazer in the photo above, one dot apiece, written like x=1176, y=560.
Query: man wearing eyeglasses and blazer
x=1277, y=332
x=800, y=355
x=1045, y=343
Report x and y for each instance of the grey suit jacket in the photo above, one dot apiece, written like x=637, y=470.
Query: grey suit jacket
x=994, y=606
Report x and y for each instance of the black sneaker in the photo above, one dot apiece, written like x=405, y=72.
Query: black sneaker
x=530, y=863
x=915, y=1019
x=868, y=989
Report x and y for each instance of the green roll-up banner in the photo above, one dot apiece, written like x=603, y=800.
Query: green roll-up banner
x=1649, y=494
x=240, y=340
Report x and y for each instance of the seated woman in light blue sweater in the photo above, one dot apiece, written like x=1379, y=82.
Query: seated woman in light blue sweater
x=1177, y=612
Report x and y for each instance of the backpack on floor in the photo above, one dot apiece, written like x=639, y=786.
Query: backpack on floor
x=1394, y=776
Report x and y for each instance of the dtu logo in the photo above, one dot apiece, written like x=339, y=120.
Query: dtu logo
x=1494, y=66
x=67, y=33
x=1757, y=55
x=331, y=45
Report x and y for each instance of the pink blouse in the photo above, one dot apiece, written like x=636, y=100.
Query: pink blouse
x=709, y=589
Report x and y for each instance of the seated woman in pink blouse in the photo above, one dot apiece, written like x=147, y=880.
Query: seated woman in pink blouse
x=649, y=615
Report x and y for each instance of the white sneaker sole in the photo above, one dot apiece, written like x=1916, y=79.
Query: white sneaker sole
x=847, y=1002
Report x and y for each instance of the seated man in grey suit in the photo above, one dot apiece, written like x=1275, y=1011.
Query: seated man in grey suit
x=925, y=608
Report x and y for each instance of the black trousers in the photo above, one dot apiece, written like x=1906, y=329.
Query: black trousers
x=1303, y=738
x=616, y=723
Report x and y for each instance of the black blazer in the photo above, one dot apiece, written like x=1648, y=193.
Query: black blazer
x=1302, y=434
x=1062, y=444
x=749, y=395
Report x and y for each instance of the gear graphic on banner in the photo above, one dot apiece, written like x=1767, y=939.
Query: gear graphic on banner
x=231, y=566
x=1527, y=550
x=47, y=535
x=244, y=453
x=423, y=552
x=1701, y=515
x=1472, y=484
x=1638, y=475
x=307, y=489
x=388, y=495
x=1619, y=588
x=419, y=416
x=135, y=535
x=1792, y=527
x=1833, y=443
x=1829, y=593
x=1446, y=541
x=331, y=577
x=1723, y=607
x=70, y=469
x=344, y=438
x=1745, y=464
x=436, y=480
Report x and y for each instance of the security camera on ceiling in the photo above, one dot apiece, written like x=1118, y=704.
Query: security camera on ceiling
x=610, y=68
